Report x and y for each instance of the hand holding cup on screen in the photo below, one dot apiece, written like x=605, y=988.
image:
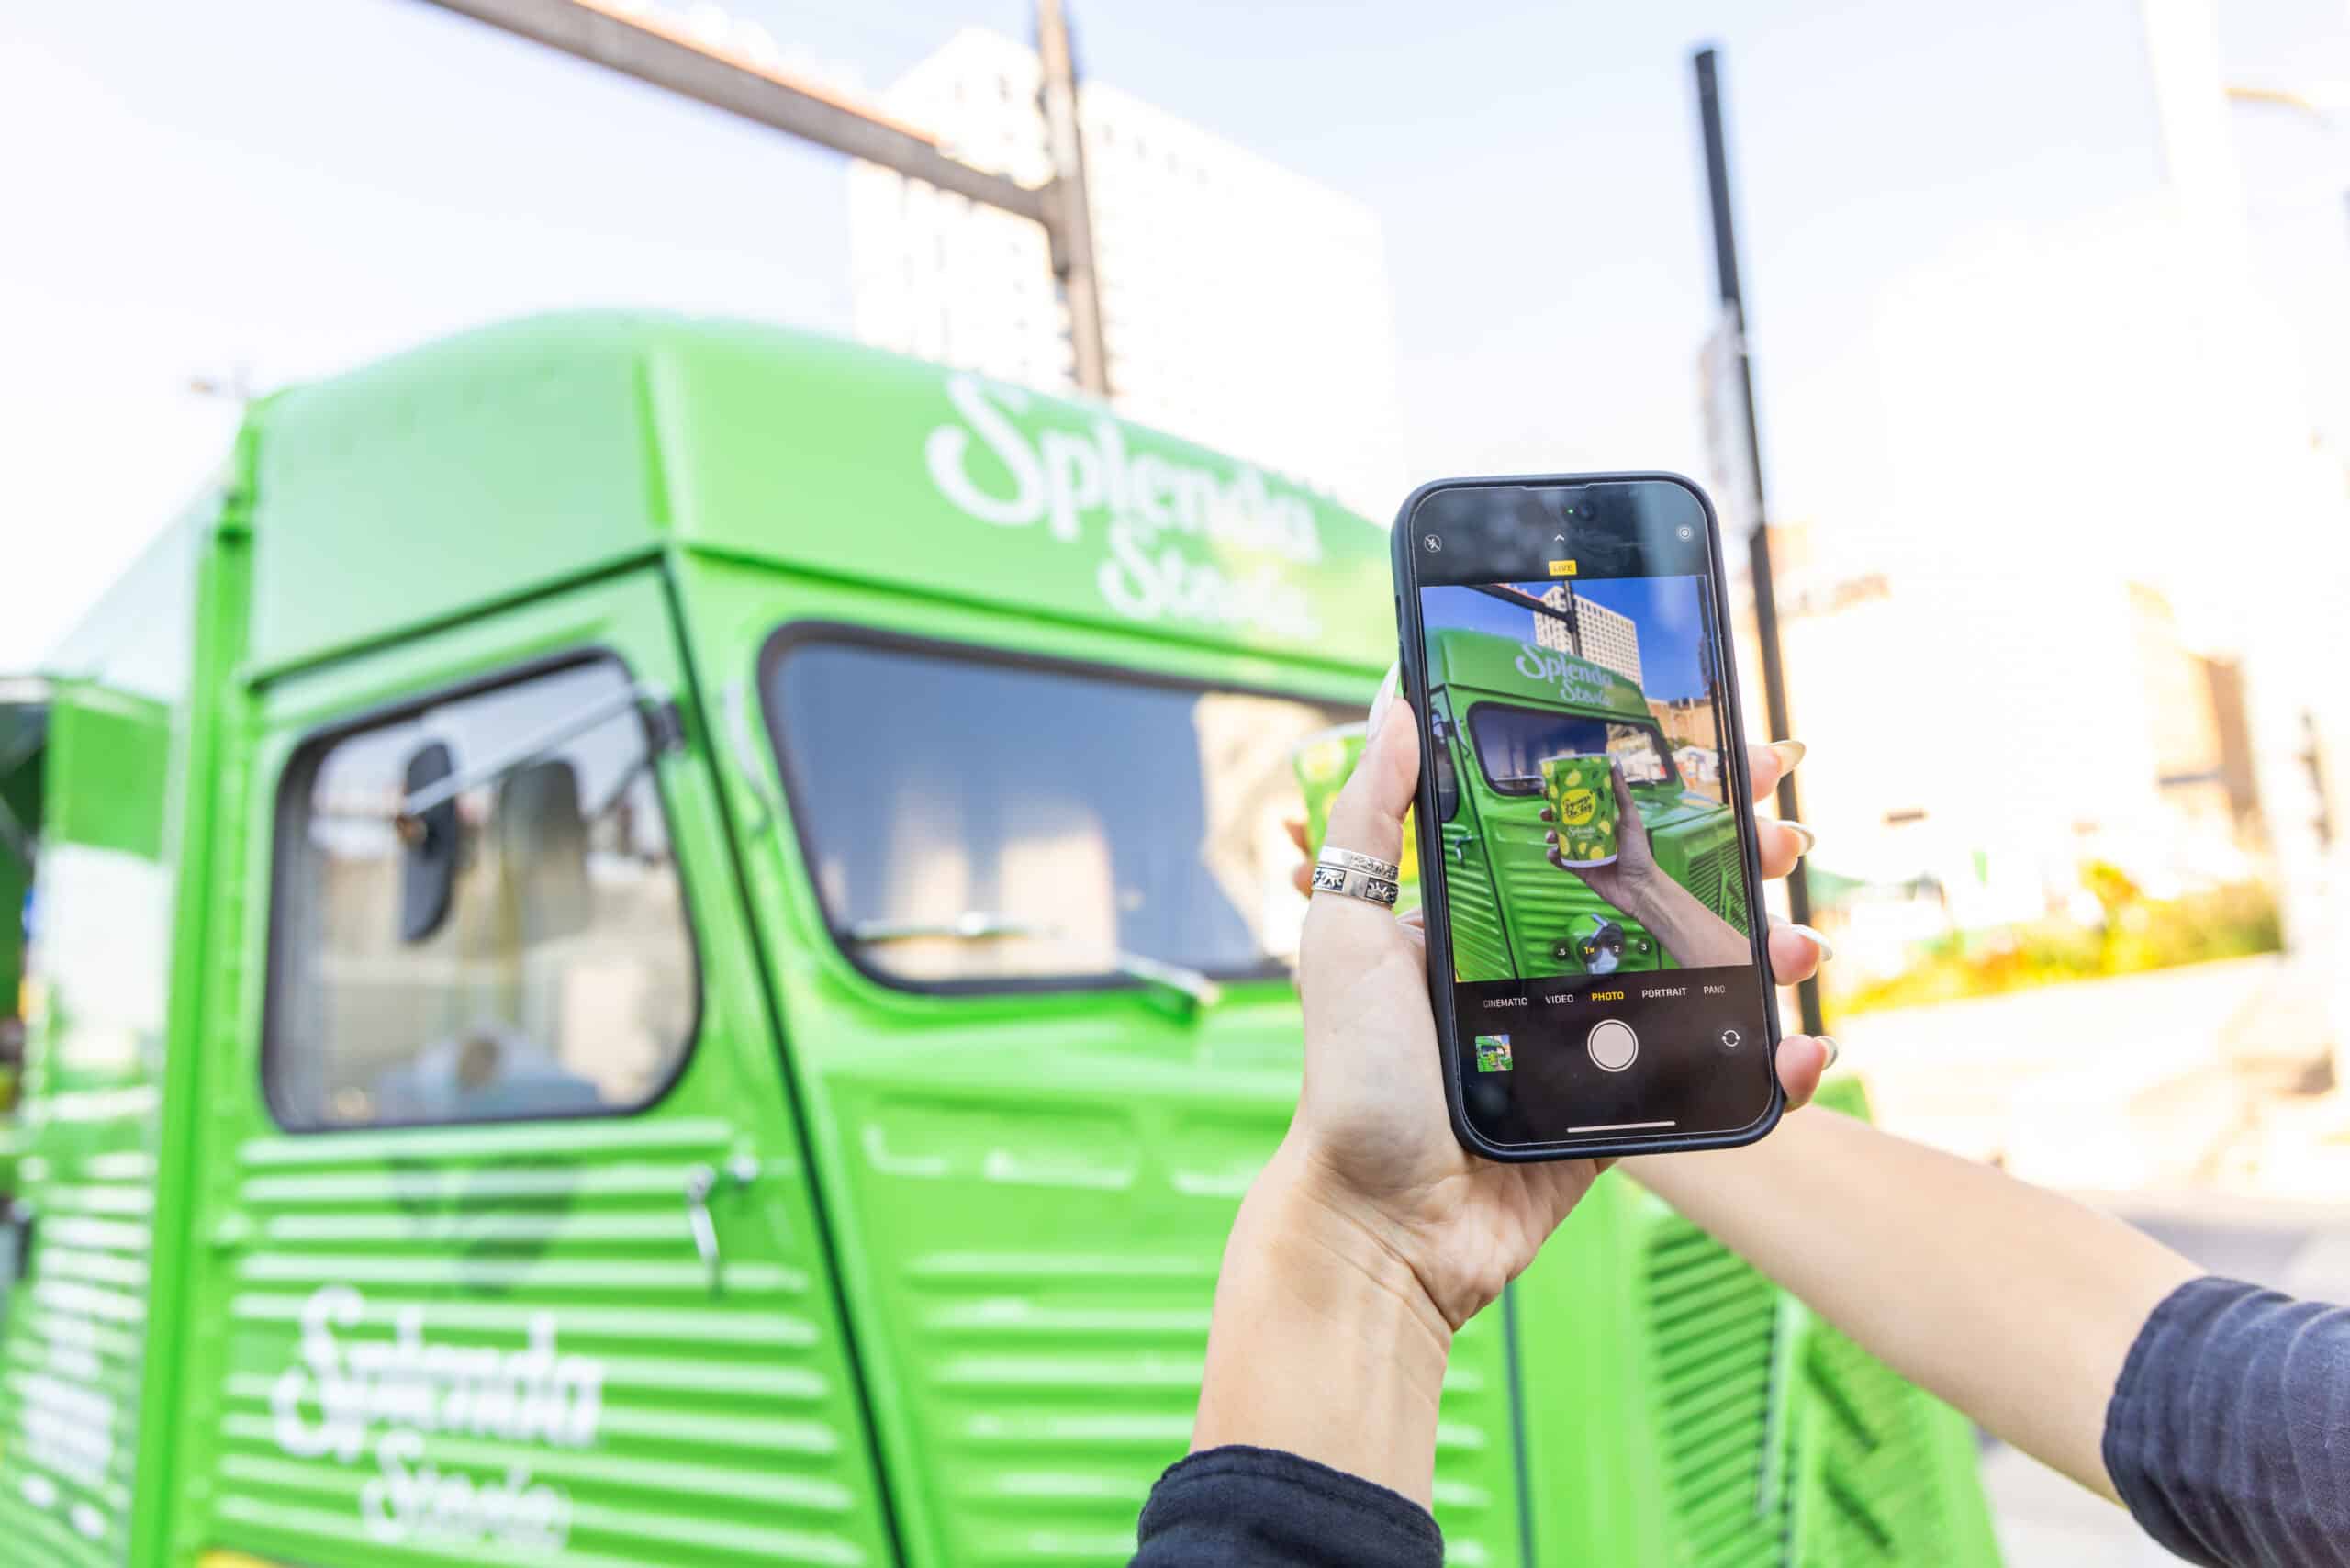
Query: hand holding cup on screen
x=1597, y=832
x=1595, y=828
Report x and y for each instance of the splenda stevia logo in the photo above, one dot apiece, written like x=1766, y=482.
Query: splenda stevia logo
x=1577, y=681
x=1152, y=511
x=344, y=1391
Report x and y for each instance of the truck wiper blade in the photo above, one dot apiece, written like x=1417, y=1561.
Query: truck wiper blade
x=971, y=925
x=982, y=925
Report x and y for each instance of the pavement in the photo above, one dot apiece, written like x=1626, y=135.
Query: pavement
x=2198, y=1103
x=2112, y=1085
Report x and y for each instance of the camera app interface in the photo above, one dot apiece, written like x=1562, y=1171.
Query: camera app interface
x=1592, y=872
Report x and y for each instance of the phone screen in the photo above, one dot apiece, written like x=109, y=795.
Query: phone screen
x=1585, y=851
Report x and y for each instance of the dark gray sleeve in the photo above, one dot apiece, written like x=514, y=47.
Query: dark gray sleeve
x=2229, y=1432
x=1246, y=1507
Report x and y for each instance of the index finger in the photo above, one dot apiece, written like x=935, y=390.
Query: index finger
x=1368, y=815
x=1767, y=765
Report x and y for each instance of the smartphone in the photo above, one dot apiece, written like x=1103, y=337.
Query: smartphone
x=1589, y=873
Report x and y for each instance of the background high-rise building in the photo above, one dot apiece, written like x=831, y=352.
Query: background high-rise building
x=1555, y=631
x=1610, y=639
x=1246, y=306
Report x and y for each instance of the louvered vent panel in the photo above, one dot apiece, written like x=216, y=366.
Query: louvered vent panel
x=1711, y=1319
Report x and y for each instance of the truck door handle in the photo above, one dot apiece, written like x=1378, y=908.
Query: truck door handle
x=19, y=1217
x=700, y=1181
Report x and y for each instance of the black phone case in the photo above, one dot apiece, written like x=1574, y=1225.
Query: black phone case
x=1412, y=660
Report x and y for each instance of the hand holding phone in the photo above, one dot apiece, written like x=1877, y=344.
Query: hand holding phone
x=1370, y=1146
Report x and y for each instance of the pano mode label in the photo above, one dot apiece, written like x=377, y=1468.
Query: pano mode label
x=1178, y=540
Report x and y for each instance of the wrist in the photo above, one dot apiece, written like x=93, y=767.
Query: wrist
x=1306, y=1219
x=1324, y=1343
x=1641, y=886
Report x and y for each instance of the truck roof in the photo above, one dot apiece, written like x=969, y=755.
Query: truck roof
x=1528, y=672
x=488, y=464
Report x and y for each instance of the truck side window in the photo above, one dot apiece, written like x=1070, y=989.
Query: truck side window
x=561, y=980
x=1511, y=743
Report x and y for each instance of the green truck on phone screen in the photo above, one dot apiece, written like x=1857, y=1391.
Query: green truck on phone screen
x=1497, y=709
x=653, y=942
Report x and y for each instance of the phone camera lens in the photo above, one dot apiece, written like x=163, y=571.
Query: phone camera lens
x=1585, y=511
x=1684, y=533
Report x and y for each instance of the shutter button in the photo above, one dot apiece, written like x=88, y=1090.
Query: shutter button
x=1613, y=1045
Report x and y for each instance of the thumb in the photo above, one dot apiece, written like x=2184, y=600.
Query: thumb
x=1368, y=815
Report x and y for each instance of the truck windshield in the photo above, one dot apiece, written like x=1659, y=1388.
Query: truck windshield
x=1025, y=823
x=1513, y=742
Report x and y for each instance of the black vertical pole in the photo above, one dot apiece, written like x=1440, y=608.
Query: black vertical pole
x=1766, y=605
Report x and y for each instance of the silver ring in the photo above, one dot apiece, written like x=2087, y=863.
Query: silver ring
x=1353, y=861
x=1380, y=890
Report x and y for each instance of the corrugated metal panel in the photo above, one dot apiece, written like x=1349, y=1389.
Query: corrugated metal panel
x=1874, y=1490
x=73, y=1349
x=1717, y=877
x=1713, y=1326
x=1543, y=902
x=1891, y=1478
x=1480, y=945
x=1046, y=1263
x=634, y=1416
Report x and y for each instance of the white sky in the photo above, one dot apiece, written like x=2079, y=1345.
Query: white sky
x=288, y=186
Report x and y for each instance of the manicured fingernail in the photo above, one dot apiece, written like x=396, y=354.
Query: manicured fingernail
x=1790, y=753
x=1834, y=1050
x=1816, y=940
x=1381, y=704
x=1801, y=832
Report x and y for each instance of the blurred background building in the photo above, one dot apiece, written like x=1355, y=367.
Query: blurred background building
x=1246, y=306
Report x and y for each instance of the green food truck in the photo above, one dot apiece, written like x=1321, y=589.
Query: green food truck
x=662, y=943
x=1498, y=710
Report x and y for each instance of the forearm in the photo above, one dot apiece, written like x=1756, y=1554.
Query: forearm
x=1695, y=935
x=2015, y=1305
x=1322, y=1343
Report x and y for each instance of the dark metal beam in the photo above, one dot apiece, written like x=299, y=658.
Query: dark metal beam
x=653, y=54
x=1071, y=226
